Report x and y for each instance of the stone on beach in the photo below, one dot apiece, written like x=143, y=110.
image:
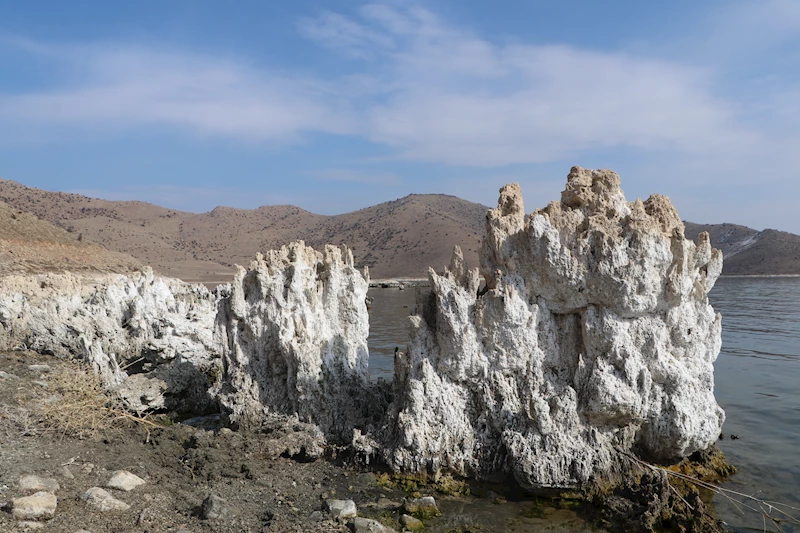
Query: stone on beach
x=36, y=483
x=341, y=508
x=103, y=501
x=39, y=506
x=213, y=508
x=123, y=480
x=367, y=525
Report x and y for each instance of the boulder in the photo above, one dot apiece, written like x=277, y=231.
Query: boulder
x=367, y=525
x=341, y=508
x=592, y=338
x=410, y=523
x=123, y=480
x=36, y=484
x=103, y=501
x=422, y=508
x=213, y=508
x=39, y=506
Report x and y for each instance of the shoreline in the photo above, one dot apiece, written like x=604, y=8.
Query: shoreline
x=398, y=283
x=760, y=276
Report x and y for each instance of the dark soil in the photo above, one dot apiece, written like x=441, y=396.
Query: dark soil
x=182, y=465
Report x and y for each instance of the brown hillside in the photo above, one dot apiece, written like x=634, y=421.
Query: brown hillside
x=29, y=244
x=408, y=235
x=751, y=252
x=399, y=238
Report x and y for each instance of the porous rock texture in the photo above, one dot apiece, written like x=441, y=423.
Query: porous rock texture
x=150, y=338
x=593, y=336
x=293, y=334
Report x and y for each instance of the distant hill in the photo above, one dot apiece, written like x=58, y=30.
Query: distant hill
x=401, y=238
x=749, y=252
x=29, y=244
x=398, y=238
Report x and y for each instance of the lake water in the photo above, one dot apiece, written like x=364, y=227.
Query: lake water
x=757, y=380
x=757, y=383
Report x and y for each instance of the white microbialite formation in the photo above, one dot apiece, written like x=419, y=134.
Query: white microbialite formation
x=593, y=336
x=293, y=334
x=149, y=338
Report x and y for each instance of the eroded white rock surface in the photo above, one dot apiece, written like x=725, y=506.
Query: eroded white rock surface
x=163, y=325
x=595, y=336
x=293, y=334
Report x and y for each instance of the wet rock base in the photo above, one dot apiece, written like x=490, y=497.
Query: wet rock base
x=662, y=498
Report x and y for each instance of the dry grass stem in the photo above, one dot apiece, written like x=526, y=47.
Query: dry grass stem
x=78, y=406
x=769, y=511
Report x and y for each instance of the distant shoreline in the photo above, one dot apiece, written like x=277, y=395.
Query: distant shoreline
x=397, y=283
x=760, y=276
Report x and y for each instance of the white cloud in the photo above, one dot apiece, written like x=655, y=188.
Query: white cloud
x=748, y=29
x=455, y=98
x=425, y=89
x=336, y=31
x=132, y=87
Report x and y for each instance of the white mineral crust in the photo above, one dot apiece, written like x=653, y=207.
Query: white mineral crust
x=595, y=336
x=161, y=324
x=293, y=335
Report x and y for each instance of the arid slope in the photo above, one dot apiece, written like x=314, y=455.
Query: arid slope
x=401, y=238
x=398, y=238
x=29, y=244
x=752, y=252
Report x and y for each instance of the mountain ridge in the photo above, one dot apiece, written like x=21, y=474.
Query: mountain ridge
x=394, y=239
x=398, y=238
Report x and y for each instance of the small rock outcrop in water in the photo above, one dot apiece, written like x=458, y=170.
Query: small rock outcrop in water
x=293, y=334
x=162, y=326
x=594, y=335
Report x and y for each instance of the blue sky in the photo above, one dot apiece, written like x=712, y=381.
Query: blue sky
x=334, y=106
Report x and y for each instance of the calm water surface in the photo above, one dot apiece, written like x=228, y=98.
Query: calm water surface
x=757, y=383
x=388, y=328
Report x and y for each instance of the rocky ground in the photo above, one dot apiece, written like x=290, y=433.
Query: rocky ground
x=55, y=425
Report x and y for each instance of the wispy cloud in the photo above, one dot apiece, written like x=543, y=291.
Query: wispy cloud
x=122, y=87
x=456, y=98
x=425, y=89
x=353, y=176
x=337, y=31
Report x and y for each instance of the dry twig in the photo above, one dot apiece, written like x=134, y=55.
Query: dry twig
x=774, y=512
